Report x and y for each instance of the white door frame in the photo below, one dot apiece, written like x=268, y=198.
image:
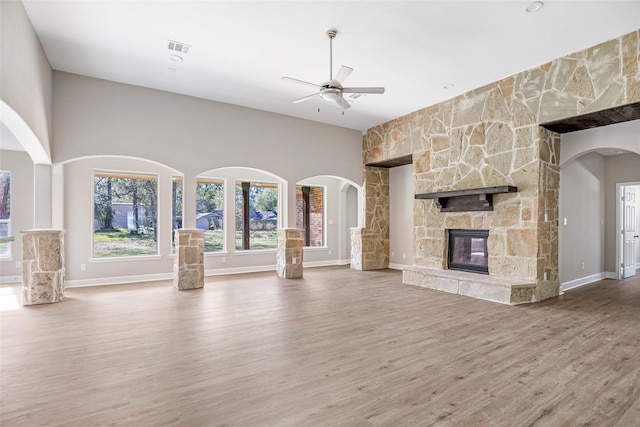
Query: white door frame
x=619, y=186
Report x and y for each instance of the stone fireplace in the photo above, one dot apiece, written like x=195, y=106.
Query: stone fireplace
x=494, y=249
x=488, y=138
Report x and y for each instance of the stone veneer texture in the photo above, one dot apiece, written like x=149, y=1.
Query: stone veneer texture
x=290, y=252
x=491, y=136
x=42, y=266
x=370, y=245
x=188, y=270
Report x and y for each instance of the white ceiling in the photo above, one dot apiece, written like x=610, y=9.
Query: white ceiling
x=241, y=49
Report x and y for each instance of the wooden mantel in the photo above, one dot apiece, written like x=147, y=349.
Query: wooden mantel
x=473, y=199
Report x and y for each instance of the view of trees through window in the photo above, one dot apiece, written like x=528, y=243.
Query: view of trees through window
x=210, y=213
x=126, y=206
x=5, y=211
x=125, y=215
x=256, y=215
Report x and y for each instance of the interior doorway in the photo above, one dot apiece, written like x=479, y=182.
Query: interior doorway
x=628, y=224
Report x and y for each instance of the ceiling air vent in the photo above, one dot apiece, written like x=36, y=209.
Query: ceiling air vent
x=179, y=47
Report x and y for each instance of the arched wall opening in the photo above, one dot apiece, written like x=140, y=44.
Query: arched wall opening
x=592, y=162
x=28, y=164
x=73, y=211
x=342, y=210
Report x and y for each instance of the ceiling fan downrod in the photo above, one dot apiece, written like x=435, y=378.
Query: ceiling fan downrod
x=332, y=35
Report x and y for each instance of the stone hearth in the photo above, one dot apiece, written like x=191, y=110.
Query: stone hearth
x=496, y=289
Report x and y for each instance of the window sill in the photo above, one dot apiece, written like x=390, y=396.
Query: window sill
x=6, y=258
x=255, y=252
x=316, y=248
x=215, y=254
x=125, y=259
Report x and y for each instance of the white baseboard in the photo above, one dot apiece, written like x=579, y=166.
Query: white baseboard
x=396, y=266
x=117, y=280
x=240, y=270
x=572, y=284
x=168, y=276
x=326, y=263
x=611, y=275
x=10, y=279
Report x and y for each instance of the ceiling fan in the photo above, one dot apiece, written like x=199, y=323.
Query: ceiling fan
x=333, y=90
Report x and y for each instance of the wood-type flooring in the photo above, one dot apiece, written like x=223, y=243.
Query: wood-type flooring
x=336, y=348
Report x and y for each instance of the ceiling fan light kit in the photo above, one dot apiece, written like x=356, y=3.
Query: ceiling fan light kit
x=333, y=90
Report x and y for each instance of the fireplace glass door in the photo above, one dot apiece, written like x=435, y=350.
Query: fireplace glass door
x=468, y=251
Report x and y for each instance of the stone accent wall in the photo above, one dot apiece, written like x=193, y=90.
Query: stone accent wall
x=491, y=136
x=370, y=245
x=42, y=266
x=290, y=252
x=188, y=270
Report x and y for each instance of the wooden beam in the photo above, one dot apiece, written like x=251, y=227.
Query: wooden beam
x=622, y=113
x=391, y=163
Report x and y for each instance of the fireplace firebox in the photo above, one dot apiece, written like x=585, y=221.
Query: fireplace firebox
x=467, y=251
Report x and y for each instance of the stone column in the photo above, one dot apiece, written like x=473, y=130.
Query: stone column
x=42, y=266
x=188, y=269
x=370, y=245
x=290, y=252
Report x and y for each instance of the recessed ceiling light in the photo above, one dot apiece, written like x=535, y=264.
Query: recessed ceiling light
x=449, y=86
x=175, y=58
x=534, y=6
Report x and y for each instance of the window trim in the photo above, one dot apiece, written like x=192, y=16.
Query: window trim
x=8, y=256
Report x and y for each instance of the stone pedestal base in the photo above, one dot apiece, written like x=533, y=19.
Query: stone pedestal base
x=42, y=266
x=290, y=253
x=490, y=288
x=188, y=269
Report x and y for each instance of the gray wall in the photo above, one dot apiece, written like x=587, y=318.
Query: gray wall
x=97, y=117
x=401, y=215
x=582, y=218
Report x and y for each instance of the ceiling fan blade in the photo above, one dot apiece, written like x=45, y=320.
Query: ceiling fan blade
x=302, y=82
x=373, y=90
x=304, y=98
x=343, y=73
x=343, y=103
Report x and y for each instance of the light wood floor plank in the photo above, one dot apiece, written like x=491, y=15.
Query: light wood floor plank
x=339, y=347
